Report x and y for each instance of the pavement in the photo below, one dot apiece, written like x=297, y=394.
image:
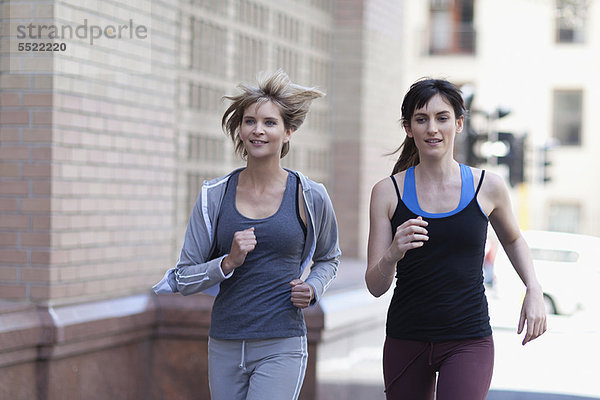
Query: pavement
x=560, y=365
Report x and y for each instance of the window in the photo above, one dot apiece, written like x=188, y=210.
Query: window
x=292, y=159
x=288, y=60
x=288, y=27
x=206, y=148
x=205, y=98
x=253, y=14
x=215, y=6
x=319, y=72
x=452, y=29
x=250, y=57
x=319, y=39
x=193, y=186
x=570, y=21
x=207, y=44
x=317, y=159
x=568, y=117
x=318, y=120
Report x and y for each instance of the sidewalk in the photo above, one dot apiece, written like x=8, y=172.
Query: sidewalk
x=349, y=358
x=351, y=275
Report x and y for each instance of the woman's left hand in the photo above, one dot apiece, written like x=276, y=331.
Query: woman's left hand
x=302, y=293
x=534, y=312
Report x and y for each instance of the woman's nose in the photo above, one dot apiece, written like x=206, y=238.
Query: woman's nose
x=259, y=128
x=432, y=127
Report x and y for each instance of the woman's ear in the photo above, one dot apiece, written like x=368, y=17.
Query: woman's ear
x=407, y=129
x=460, y=123
x=288, y=135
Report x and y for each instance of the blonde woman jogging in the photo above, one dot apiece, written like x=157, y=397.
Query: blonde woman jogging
x=250, y=237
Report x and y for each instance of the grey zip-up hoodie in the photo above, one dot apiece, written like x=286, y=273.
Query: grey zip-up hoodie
x=197, y=272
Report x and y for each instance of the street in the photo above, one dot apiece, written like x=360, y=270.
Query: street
x=560, y=365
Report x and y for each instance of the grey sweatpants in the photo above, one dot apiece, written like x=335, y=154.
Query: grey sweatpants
x=257, y=369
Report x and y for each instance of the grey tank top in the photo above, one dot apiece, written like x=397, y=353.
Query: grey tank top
x=254, y=303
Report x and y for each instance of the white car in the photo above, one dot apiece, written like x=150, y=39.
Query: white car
x=567, y=265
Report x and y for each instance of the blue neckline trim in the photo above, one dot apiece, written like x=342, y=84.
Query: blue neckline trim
x=409, y=195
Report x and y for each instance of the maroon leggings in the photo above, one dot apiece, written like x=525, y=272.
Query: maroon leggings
x=464, y=366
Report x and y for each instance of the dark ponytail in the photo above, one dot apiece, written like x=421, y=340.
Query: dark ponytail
x=409, y=156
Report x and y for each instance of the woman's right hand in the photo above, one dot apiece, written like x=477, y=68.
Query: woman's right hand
x=243, y=243
x=410, y=235
x=385, y=248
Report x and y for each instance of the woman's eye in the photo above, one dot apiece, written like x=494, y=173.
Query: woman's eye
x=248, y=121
x=270, y=123
x=420, y=120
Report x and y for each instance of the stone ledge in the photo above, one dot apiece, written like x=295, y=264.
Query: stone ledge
x=20, y=327
x=29, y=333
x=146, y=346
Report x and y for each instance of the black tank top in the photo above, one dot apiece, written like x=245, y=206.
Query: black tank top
x=439, y=294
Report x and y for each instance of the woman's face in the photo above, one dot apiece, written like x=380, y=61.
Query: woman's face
x=434, y=127
x=262, y=130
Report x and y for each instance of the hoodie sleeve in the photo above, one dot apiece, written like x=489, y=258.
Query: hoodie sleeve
x=327, y=250
x=195, y=271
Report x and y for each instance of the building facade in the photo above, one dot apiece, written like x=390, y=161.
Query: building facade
x=538, y=59
x=110, y=120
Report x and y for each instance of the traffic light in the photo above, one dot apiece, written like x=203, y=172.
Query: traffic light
x=515, y=158
x=474, y=141
x=471, y=152
x=546, y=164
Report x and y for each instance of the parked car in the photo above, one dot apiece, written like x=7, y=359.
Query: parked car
x=567, y=265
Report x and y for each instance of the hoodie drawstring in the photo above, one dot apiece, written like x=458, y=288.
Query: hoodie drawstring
x=243, y=361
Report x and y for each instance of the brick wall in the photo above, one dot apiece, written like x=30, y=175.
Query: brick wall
x=87, y=154
x=118, y=175
x=25, y=168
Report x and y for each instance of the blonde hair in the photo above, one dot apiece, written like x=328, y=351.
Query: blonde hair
x=292, y=100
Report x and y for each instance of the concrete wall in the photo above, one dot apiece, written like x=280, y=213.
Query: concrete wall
x=367, y=67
